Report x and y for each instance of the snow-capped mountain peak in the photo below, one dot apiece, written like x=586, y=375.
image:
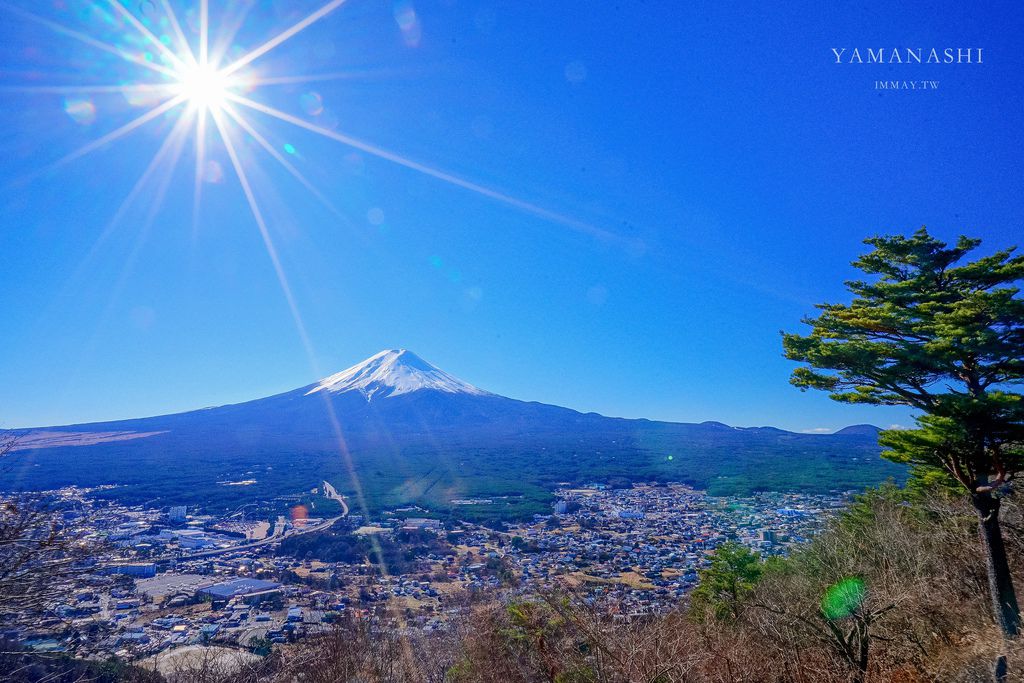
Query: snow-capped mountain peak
x=392, y=373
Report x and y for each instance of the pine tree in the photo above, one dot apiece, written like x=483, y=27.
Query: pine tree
x=726, y=583
x=944, y=336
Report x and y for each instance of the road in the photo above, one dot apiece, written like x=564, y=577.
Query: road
x=332, y=493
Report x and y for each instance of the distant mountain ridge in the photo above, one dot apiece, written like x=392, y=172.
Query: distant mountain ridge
x=413, y=433
x=860, y=430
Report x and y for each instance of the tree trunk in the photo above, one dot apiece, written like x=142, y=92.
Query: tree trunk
x=862, y=655
x=1000, y=583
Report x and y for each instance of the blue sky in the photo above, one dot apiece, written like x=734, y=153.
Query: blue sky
x=727, y=167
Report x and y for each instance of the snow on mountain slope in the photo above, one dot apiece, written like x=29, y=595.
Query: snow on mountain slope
x=392, y=373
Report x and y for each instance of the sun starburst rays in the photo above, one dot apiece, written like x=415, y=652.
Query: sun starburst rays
x=422, y=168
x=204, y=31
x=177, y=61
x=288, y=33
x=287, y=165
x=86, y=39
x=179, y=34
x=197, y=80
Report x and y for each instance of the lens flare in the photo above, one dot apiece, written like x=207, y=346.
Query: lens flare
x=81, y=110
x=841, y=599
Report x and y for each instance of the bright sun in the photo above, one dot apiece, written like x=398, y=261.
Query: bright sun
x=204, y=86
x=214, y=89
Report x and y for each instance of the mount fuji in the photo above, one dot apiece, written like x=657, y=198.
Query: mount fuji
x=397, y=430
x=393, y=373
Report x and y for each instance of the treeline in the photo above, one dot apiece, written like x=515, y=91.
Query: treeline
x=24, y=666
x=337, y=544
x=399, y=552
